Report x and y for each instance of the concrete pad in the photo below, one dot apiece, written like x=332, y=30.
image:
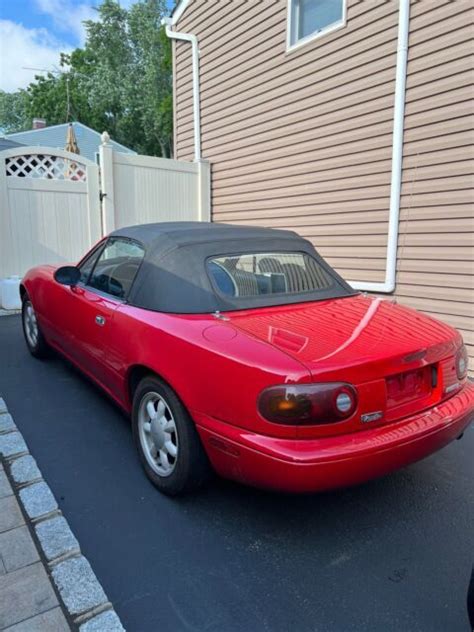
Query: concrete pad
x=51, y=621
x=56, y=538
x=38, y=500
x=10, y=514
x=25, y=593
x=5, y=487
x=17, y=549
x=78, y=585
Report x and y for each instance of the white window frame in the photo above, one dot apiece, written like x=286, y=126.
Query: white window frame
x=309, y=38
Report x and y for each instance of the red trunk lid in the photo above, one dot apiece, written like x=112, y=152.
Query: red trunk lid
x=399, y=359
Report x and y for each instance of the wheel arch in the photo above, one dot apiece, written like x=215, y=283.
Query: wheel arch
x=23, y=292
x=136, y=373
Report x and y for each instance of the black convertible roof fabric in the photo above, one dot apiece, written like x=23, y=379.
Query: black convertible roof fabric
x=173, y=276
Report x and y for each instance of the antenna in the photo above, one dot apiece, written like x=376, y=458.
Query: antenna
x=67, y=73
x=68, y=100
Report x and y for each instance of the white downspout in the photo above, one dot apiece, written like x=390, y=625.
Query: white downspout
x=189, y=37
x=397, y=154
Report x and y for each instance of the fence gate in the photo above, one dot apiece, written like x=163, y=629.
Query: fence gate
x=49, y=207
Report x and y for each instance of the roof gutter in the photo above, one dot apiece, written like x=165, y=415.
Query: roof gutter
x=389, y=284
x=189, y=37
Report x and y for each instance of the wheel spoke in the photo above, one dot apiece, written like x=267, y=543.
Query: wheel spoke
x=164, y=460
x=171, y=448
x=160, y=411
x=150, y=409
x=169, y=426
x=147, y=427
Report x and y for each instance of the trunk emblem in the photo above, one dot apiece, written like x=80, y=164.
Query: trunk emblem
x=371, y=416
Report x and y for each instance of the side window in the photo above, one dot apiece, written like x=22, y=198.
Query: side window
x=88, y=264
x=310, y=18
x=117, y=267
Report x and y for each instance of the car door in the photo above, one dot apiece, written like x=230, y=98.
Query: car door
x=59, y=318
x=97, y=297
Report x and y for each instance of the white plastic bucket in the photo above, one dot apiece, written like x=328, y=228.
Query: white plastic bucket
x=10, y=293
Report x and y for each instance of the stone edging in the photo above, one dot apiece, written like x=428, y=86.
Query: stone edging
x=79, y=589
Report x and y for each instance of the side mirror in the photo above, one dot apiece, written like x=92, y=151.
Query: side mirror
x=67, y=275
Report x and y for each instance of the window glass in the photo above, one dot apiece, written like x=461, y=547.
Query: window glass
x=309, y=17
x=258, y=274
x=88, y=264
x=117, y=267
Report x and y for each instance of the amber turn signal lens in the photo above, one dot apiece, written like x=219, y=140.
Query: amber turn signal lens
x=308, y=404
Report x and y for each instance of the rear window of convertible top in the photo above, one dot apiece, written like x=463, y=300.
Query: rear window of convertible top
x=258, y=274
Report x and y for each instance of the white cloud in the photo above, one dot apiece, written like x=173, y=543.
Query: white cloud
x=68, y=15
x=20, y=47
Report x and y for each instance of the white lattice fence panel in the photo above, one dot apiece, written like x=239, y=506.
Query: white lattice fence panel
x=45, y=166
x=49, y=207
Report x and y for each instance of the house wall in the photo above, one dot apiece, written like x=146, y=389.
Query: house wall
x=302, y=139
x=436, y=242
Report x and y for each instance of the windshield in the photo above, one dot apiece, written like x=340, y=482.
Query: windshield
x=257, y=274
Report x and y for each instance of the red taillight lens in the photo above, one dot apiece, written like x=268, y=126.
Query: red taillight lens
x=308, y=404
x=462, y=363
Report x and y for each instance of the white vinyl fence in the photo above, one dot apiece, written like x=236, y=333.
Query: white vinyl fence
x=144, y=189
x=49, y=207
x=55, y=205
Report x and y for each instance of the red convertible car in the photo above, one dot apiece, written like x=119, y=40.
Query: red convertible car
x=238, y=349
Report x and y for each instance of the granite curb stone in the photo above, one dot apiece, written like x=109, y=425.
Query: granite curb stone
x=56, y=538
x=78, y=585
x=25, y=470
x=6, y=423
x=12, y=443
x=105, y=622
x=38, y=500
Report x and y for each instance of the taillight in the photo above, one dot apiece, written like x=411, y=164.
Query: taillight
x=308, y=404
x=462, y=363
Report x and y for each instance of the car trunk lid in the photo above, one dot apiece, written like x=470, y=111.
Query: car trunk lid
x=399, y=359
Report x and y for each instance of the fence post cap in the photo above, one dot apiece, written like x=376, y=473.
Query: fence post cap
x=105, y=138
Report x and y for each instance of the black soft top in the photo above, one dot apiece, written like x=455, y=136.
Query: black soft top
x=173, y=276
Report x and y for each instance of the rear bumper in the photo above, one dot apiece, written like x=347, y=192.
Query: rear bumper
x=307, y=465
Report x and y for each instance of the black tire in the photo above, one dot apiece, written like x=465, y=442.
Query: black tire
x=38, y=348
x=191, y=466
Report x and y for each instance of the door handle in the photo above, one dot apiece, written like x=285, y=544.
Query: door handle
x=100, y=320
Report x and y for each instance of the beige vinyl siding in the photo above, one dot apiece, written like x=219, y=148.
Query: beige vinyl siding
x=299, y=139
x=437, y=209
x=303, y=139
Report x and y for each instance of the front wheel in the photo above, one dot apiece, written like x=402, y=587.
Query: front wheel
x=167, y=441
x=34, y=338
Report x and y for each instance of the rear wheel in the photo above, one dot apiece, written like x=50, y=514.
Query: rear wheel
x=167, y=441
x=34, y=338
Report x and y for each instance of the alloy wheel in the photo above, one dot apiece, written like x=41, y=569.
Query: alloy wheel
x=158, y=434
x=31, y=325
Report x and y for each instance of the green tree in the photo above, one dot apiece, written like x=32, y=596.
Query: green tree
x=14, y=116
x=120, y=81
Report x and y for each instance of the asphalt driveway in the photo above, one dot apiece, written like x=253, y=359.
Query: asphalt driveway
x=394, y=554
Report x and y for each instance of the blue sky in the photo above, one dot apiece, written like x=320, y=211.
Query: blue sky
x=34, y=32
